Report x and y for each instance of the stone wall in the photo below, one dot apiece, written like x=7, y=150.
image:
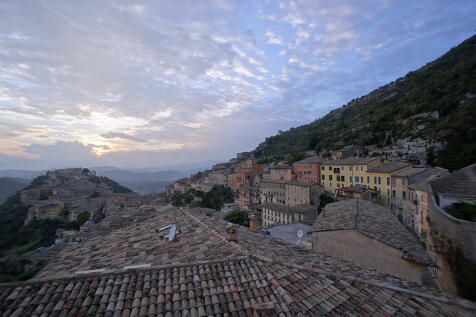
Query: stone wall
x=358, y=248
x=452, y=243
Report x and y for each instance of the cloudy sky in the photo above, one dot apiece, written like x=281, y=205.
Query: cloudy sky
x=150, y=83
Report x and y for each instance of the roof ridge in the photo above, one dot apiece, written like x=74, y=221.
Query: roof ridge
x=448, y=300
x=119, y=271
x=216, y=233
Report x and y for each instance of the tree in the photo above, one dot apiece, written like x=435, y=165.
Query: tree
x=323, y=201
x=238, y=217
x=83, y=217
x=217, y=196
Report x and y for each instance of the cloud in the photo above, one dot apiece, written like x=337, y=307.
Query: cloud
x=274, y=38
x=141, y=83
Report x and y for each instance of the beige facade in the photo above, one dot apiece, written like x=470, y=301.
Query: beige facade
x=298, y=193
x=288, y=193
x=272, y=191
x=275, y=214
x=358, y=248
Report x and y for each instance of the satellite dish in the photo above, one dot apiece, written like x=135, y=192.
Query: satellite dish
x=300, y=234
x=173, y=231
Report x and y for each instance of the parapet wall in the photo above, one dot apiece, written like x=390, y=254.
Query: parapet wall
x=452, y=243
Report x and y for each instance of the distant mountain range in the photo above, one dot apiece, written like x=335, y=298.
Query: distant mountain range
x=9, y=186
x=141, y=180
x=436, y=102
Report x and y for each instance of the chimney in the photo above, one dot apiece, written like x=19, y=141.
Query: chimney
x=232, y=233
x=254, y=223
x=264, y=310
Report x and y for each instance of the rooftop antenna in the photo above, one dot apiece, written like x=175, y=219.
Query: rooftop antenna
x=300, y=234
x=173, y=232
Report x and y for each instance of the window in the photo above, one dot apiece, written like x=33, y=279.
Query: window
x=342, y=168
x=350, y=167
x=338, y=178
x=361, y=168
x=393, y=193
x=404, y=195
x=351, y=178
x=338, y=185
x=330, y=177
x=368, y=179
x=342, y=178
x=379, y=180
x=361, y=179
x=323, y=168
x=323, y=177
x=330, y=168
x=356, y=179
x=388, y=180
x=375, y=179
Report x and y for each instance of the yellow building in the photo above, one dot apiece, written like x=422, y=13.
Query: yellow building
x=336, y=174
x=380, y=179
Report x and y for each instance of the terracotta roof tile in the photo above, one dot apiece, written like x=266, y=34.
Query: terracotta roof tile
x=220, y=285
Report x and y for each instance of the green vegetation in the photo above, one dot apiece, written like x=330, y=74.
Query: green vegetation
x=238, y=217
x=296, y=156
x=323, y=201
x=116, y=188
x=16, y=239
x=40, y=180
x=216, y=197
x=213, y=199
x=462, y=211
x=446, y=87
x=9, y=186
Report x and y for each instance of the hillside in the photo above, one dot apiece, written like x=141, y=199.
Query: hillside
x=9, y=186
x=73, y=194
x=437, y=102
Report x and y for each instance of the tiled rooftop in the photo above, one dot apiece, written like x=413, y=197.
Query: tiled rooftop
x=220, y=288
x=350, y=160
x=461, y=183
x=309, y=160
x=374, y=221
x=202, y=274
x=389, y=167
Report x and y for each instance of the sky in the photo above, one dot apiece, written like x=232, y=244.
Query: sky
x=153, y=83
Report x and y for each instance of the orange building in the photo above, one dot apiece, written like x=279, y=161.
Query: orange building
x=240, y=179
x=308, y=170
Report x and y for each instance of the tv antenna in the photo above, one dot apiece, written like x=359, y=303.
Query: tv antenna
x=173, y=232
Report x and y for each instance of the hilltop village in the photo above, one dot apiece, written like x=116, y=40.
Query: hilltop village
x=349, y=205
x=346, y=234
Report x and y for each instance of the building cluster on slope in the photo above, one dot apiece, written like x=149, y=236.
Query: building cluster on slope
x=285, y=194
x=190, y=262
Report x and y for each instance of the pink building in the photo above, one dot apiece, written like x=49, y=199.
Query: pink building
x=282, y=172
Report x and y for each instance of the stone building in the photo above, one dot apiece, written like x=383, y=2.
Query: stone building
x=409, y=197
x=135, y=271
x=381, y=179
x=273, y=214
x=336, y=174
x=289, y=193
x=248, y=197
x=282, y=172
x=369, y=235
x=452, y=241
x=308, y=170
